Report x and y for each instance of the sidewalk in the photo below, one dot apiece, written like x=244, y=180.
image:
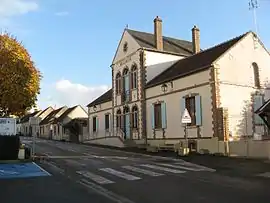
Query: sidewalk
x=53, y=189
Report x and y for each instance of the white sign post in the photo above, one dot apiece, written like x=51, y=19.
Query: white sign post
x=185, y=120
x=34, y=121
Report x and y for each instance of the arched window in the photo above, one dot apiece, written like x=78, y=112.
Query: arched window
x=134, y=76
x=134, y=117
x=126, y=85
x=256, y=75
x=118, y=118
x=125, y=71
x=118, y=83
x=126, y=109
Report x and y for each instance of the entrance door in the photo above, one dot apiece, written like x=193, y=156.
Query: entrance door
x=127, y=125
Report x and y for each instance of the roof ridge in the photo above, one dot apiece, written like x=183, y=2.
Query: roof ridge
x=94, y=101
x=228, y=44
x=220, y=44
x=163, y=36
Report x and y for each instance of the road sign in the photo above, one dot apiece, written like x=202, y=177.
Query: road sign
x=186, y=117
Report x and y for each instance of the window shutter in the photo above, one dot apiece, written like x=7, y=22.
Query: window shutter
x=163, y=115
x=198, y=109
x=97, y=124
x=257, y=103
x=153, y=116
x=110, y=121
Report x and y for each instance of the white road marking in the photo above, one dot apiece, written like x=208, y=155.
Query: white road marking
x=97, y=178
x=180, y=167
x=120, y=174
x=55, y=167
x=185, y=163
x=143, y=171
x=162, y=168
x=42, y=169
x=103, y=191
x=265, y=175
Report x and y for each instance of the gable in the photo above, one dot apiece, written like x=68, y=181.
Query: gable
x=132, y=46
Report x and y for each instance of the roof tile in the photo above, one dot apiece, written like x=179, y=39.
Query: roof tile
x=194, y=63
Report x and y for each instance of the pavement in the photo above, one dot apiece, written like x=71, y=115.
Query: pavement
x=86, y=173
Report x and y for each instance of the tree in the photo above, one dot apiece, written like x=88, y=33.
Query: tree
x=19, y=79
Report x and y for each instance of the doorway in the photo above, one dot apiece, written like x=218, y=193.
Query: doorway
x=127, y=122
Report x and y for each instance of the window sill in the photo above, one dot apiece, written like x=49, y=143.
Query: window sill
x=159, y=129
x=192, y=126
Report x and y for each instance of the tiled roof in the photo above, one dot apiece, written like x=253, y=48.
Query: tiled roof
x=147, y=40
x=44, y=111
x=50, y=118
x=28, y=116
x=194, y=63
x=106, y=97
x=64, y=115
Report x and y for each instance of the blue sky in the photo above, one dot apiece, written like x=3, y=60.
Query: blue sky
x=73, y=42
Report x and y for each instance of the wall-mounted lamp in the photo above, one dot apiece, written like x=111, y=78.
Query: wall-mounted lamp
x=164, y=88
x=94, y=107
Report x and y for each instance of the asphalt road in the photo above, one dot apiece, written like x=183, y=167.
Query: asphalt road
x=119, y=176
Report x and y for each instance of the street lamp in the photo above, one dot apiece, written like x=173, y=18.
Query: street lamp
x=164, y=88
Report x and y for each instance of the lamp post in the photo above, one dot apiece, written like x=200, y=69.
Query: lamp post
x=164, y=88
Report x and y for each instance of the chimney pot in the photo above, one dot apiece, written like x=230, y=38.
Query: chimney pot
x=196, y=39
x=158, y=33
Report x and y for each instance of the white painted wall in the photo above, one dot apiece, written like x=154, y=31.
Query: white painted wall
x=133, y=46
x=78, y=112
x=100, y=112
x=237, y=81
x=158, y=62
x=173, y=106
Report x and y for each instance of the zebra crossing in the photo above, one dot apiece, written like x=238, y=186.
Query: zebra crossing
x=137, y=172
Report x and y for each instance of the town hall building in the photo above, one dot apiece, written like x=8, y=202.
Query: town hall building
x=155, y=78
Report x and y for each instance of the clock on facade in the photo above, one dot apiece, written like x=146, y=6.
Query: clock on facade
x=125, y=47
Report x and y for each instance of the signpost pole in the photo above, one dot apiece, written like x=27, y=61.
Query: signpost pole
x=34, y=143
x=185, y=120
x=186, y=133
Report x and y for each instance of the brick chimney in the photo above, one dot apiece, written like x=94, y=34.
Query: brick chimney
x=158, y=33
x=196, y=39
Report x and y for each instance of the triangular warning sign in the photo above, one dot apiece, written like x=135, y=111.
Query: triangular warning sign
x=186, y=117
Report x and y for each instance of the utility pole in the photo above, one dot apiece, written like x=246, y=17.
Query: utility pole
x=253, y=5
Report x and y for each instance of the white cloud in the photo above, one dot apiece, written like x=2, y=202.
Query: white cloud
x=64, y=92
x=62, y=13
x=10, y=8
